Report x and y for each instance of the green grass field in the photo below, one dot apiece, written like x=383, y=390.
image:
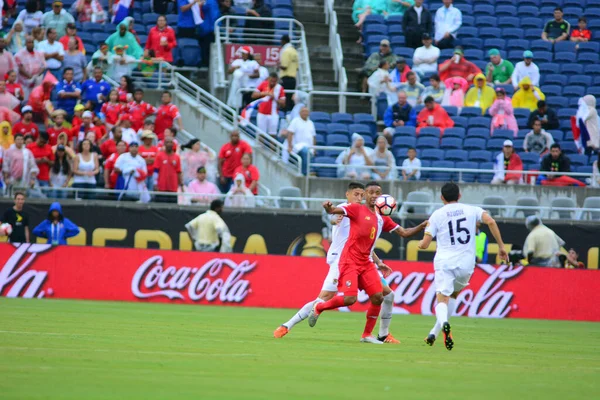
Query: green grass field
x=51, y=349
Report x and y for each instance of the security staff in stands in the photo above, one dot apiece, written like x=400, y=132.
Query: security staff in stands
x=208, y=230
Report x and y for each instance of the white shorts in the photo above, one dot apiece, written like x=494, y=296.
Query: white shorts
x=268, y=123
x=331, y=280
x=448, y=281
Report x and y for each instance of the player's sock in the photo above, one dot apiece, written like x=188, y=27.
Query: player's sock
x=335, y=302
x=441, y=313
x=435, y=331
x=386, y=315
x=372, y=314
x=301, y=315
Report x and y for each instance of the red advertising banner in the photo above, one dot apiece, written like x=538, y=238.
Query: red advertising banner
x=92, y=273
x=269, y=55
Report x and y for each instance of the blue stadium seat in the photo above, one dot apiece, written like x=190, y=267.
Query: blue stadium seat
x=539, y=45
x=342, y=118
x=557, y=102
x=282, y=13
x=449, y=143
x=474, y=54
x=144, y=39
x=98, y=37
x=551, y=90
x=394, y=20
x=325, y=172
x=486, y=22
x=361, y=130
x=190, y=55
x=569, y=136
x=139, y=28
x=460, y=122
x=172, y=19
x=589, y=47
x=442, y=176
x=150, y=18
x=376, y=29
x=551, y=3
x=575, y=69
x=474, y=144
x=368, y=120
x=428, y=143
x=424, y=164
x=459, y=133
x=468, y=20
x=572, y=12
x=320, y=139
x=374, y=40
x=483, y=122
x=485, y=177
x=468, y=32
x=466, y=176
x=489, y=32
x=482, y=9
x=592, y=69
x=368, y=139
x=86, y=37
x=334, y=128
x=495, y=145
x=480, y=156
x=432, y=155
x=282, y=4
x=557, y=135
x=529, y=158
x=110, y=28
x=512, y=33
x=564, y=46
x=397, y=41
x=503, y=134
x=554, y=79
x=564, y=57
x=515, y=55
x=548, y=68
x=395, y=30
x=521, y=112
x=470, y=112
x=518, y=143
x=495, y=43
x=508, y=22
x=404, y=141
x=321, y=128
x=543, y=56
x=481, y=133
x=405, y=52
x=505, y=11
x=337, y=140
x=471, y=43
x=518, y=44
x=574, y=91
x=451, y=110
x=566, y=113
x=430, y=132
x=92, y=27
x=405, y=131
x=400, y=154
x=588, y=58
x=320, y=116
x=466, y=9
x=569, y=147
x=522, y=132
x=456, y=155
x=374, y=18
x=579, y=159
x=528, y=11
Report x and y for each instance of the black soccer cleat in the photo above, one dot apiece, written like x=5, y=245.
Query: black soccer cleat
x=448, y=336
x=430, y=340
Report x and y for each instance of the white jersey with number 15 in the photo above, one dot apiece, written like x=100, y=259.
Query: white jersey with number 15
x=454, y=227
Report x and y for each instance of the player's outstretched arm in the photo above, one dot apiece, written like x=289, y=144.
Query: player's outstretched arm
x=330, y=209
x=491, y=223
x=407, y=232
x=381, y=266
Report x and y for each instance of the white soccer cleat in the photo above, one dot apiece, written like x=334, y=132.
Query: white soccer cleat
x=370, y=339
x=313, y=316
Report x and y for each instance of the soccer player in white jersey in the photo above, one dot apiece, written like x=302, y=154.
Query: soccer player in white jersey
x=454, y=227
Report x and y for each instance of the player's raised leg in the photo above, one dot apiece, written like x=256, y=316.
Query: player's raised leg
x=302, y=314
x=347, y=293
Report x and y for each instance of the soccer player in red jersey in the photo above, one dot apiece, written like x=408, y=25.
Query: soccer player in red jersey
x=357, y=269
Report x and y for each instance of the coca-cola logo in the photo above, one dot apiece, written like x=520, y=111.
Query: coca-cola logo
x=489, y=301
x=208, y=282
x=17, y=280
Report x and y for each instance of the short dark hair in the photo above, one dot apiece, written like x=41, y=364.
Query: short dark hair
x=411, y=73
x=355, y=185
x=435, y=77
x=97, y=68
x=49, y=30
x=450, y=191
x=44, y=136
x=19, y=193
x=216, y=204
x=555, y=146
x=541, y=103
x=582, y=19
x=411, y=148
x=429, y=99
x=558, y=9
x=138, y=90
x=67, y=69
x=19, y=135
x=285, y=39
x=167, y=92
x=372, y=183
x=273, y=75
x=382, y=63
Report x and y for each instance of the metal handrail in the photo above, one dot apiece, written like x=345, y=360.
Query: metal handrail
x=342, y=98
x=335, y=46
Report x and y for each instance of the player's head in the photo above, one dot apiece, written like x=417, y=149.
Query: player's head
x=355, y=192
x=372, y=192
x=217, y=206
x=450, y=193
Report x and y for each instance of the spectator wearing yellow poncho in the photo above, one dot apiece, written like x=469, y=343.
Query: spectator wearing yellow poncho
x=480, y=95
x=527, y=96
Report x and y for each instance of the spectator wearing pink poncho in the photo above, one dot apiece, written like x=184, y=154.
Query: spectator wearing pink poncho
x=502, y=113
x=456, y=87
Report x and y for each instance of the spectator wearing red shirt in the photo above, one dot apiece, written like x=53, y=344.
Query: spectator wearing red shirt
x=44, y=158
x=250, y=173
x=169, y=132
x=112, y=109
x=458, y=66
x=110, y=175
x=126, y=89
x=26, y=126
x=109, y=146
x=582, y=33
x=273, y=97
x=148, y=152
x=162, y=40
x=78, y=133
x=72, y=32
x=166, y=114
x=230, y=157
x=139, y=110
x=58, y=117
x=13, y=87
x=167, y=167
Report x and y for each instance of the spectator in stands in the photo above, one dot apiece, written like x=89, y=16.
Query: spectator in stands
x=57, y=18
x=128, y=133
x=538, y=140
x=18, y=165
x=167, y=168
x=250, y=172
x=68, y=92
x=288, y=68
x=96, y=90
x=399, y=73
x=58, y=126
x=53, y=51
x=448, y=20
x=357, y=158
x=498, y=71
x=558, y=29
x=373, y=62
x=399, y=7
x=480, y=95
x=85, y=168
x=456, y=89
x=273, y=94
x=528, y=95
x=75, y=60
x=161, y=39
x=526, y=69
x=425, y=58
x=416, y=22
x=6, y=136
x=582, y=33
x=458, y=66
x=413, y=89
x=122, y=63
x=26, y=126
x=63, y=139
x=56, y=228
x=239, y=196
x=102, y=58
x=596, y=172
x=384, y=160
x=556, y=161
x=166, y=115
x=44, y=158
x=14, y=87
x=503, y=116
x=122, y=37
x=134, y=171
x=545, y=114
x=363, y=8
x=190, y=17
x=31, y=16
x=433, y=115
x=7, y=61
x=380, y=82
x=38, y=34
x=32, y=66
x=411, y=166
x=242, y=70
x=230, y=157
x=206, y=32
x=89, y=11
x=505, y=165
x=7, y=100
x=109, y=143
x=204, y=190
x=16, y=37
x=72, y=32
x=60, y=173
x=110, y=175
x=137, y=109
x=435, y=89
x=541, y=244
x=587, y=118
x=259, y=9
x=39, y=98
x=206, y=230
x=196, y=155
x=572, y=260
x=300, y=135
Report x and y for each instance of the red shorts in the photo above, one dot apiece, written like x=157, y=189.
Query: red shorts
x=359, y=276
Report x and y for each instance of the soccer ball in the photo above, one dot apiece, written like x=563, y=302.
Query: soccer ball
x=5, y=229
x=385, y=204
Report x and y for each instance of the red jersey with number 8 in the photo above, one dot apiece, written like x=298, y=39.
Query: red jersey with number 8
x=365, y=228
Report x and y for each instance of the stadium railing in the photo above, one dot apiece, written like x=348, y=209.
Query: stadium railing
x=227, y=31
x=335, y=46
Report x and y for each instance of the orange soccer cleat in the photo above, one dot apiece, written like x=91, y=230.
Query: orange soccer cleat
x=280, y=332
x=390, y=339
